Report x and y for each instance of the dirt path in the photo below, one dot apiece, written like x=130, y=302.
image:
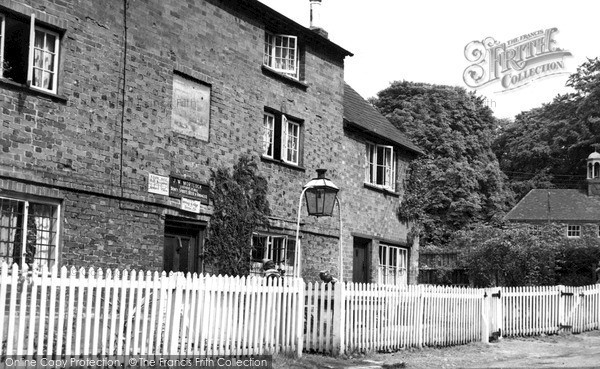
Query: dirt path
x=575, y=351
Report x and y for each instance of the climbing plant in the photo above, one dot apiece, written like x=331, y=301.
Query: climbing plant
x=240, y=208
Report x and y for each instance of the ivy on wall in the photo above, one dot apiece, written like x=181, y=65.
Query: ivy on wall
x=240, y=208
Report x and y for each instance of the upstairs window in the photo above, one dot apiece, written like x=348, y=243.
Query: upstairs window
x=281, y=54
x=573, y=231
x=381, y=166
x=281, y=138
x=28, y=232
x=29, y=53
x=268, y=135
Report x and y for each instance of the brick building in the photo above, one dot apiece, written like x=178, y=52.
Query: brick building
x=577, y=211
x=114, y=113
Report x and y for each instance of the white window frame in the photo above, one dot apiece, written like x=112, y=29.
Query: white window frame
x=33, y=28
x=573, y=231
x=396, y=273
x=256, y=267
x=274, y=45
x=290, y=140
x=268, y=135
x=37, y=262
x=32, y=68
x=371, y=162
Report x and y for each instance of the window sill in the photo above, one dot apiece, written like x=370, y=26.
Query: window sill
x=282, y=163
x=289, y=80
x=19, y=86
x=383, y=190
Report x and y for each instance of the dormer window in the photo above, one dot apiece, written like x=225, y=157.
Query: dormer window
x=281, y=54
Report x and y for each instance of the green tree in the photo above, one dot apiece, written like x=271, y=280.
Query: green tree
x=240, y=207
x=546, y=147
x=458, y=182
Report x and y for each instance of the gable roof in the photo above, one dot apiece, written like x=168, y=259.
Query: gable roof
x=556, y=205
x=362, y=115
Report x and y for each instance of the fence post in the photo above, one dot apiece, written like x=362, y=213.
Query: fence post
x=176, y=312
x=339, y=318
x=561, y=307
x=485, y=329
x=598, y=305
x=420, y=325
x=499, y=312
x=301, y=305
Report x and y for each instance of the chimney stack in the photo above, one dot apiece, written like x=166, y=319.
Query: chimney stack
x=315, y=18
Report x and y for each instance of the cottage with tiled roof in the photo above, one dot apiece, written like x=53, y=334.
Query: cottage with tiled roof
x=374, y=149
x=578, y=210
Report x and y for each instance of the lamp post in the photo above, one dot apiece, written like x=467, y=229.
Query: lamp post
x=321, y=196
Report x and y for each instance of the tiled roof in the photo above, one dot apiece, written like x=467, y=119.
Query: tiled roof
x=555, y=206
x=359, y=113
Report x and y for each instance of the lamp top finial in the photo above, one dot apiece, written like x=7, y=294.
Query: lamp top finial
x=321, y=173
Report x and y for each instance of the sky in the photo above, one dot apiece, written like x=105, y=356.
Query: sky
x=424, y=41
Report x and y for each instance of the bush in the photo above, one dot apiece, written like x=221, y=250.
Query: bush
x=519, y=256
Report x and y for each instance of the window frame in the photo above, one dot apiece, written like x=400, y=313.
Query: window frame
x=270, y=54
x=573, y=231
x=371, y=166
x=32, y=67
x=52, y=260
x=286, y=124
x=284, y=251
x=271, y=135
x=399, y=273
x=286, y=140
x=33, y=28
x=2, y=38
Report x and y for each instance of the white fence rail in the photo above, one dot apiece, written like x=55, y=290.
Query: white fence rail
x=69, y=313
x=112, y=314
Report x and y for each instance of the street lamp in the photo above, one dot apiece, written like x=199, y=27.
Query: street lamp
x=321, y=196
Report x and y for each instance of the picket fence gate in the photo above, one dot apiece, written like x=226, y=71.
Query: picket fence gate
x=70, y=313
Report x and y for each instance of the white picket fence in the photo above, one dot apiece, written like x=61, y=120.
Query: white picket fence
x=70, y=313
x=113, y=314
x=386, y=318
x=547, y=309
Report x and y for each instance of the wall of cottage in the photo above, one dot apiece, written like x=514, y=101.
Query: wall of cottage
x=94, y=144
x=370, y=212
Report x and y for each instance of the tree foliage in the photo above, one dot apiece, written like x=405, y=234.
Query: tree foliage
x=240, y=207
x=458, y=181
x=546, y=147
x=514, y=256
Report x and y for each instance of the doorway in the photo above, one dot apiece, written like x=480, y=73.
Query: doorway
x=360, y=260
x=183, y=245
